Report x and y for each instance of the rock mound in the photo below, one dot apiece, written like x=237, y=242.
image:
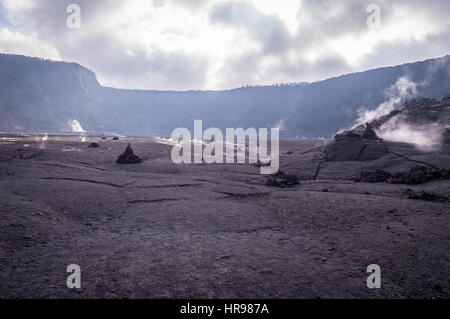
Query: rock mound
x=362, y=132
x=422, y=195
x=363, y=144
x=416, y=175
x=375, y=176
x=128, y=157
x=94, y=145
x=358, y=144
x=281, y=179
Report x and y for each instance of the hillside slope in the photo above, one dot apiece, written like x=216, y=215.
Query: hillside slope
x=42, y=96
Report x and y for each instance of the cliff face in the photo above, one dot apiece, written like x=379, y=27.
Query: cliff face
x=42, y=96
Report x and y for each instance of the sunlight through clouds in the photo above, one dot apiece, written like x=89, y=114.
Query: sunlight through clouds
x=198, y=44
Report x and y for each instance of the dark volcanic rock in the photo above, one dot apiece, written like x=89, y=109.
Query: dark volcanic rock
x=153, y=214
x=363, y=144
x=94, y=145
x=446, y=139
x=369, y=133
x=362, y=132
x=416, y=175
x=128, y=157
x=419, y=175
x=359, y=144
x=282, y=180
x=375, y=176
x=422, y=195
x=261, y=164
x=419, y=112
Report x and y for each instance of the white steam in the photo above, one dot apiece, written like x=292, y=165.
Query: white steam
x=44, y=141
x=427, y=137
x=75, y=126
x=41, y=140
x=280, y=125
x=402, y=90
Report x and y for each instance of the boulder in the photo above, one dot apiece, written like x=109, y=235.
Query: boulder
x=375, y=176
x=447, y=98
x=128, y=157
x=362, y=132
x=419, y=175
x=416, y=175
x=282, y=180
x=369, y=133
x=446, y=139
x=94, y=145
x=425, y=196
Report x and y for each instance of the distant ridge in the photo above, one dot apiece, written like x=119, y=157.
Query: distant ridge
x=39, y=95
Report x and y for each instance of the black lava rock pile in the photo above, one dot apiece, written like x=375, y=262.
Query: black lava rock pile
x=375, y=176
x=128, y=157
x=94, y=145
x=282, y=180
x=416, y=175
x=430, y=197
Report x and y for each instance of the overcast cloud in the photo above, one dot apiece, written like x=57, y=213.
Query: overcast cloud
x=222, y=44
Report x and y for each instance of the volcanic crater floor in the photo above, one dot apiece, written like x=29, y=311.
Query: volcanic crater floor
x=161, y=230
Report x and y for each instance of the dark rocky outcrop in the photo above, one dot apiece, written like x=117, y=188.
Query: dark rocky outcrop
x=94, y=145
x=281, y=179
x=128, y=157
x=418, y=111
x=422, y=114
x=419, y=175
x=116, y=138
x=416, y=175
x=362, y=132
x=260, y=164
x=374, y=176
x=446, y=137
x=358, y=144
x=425, y=196
x=362, y=143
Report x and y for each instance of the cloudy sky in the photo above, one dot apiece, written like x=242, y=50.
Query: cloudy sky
x=222, y=44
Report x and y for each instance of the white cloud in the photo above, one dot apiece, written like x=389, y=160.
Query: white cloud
x=198, y=44
x=17, y=43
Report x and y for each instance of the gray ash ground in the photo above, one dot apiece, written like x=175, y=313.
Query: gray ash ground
x=160, y=230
